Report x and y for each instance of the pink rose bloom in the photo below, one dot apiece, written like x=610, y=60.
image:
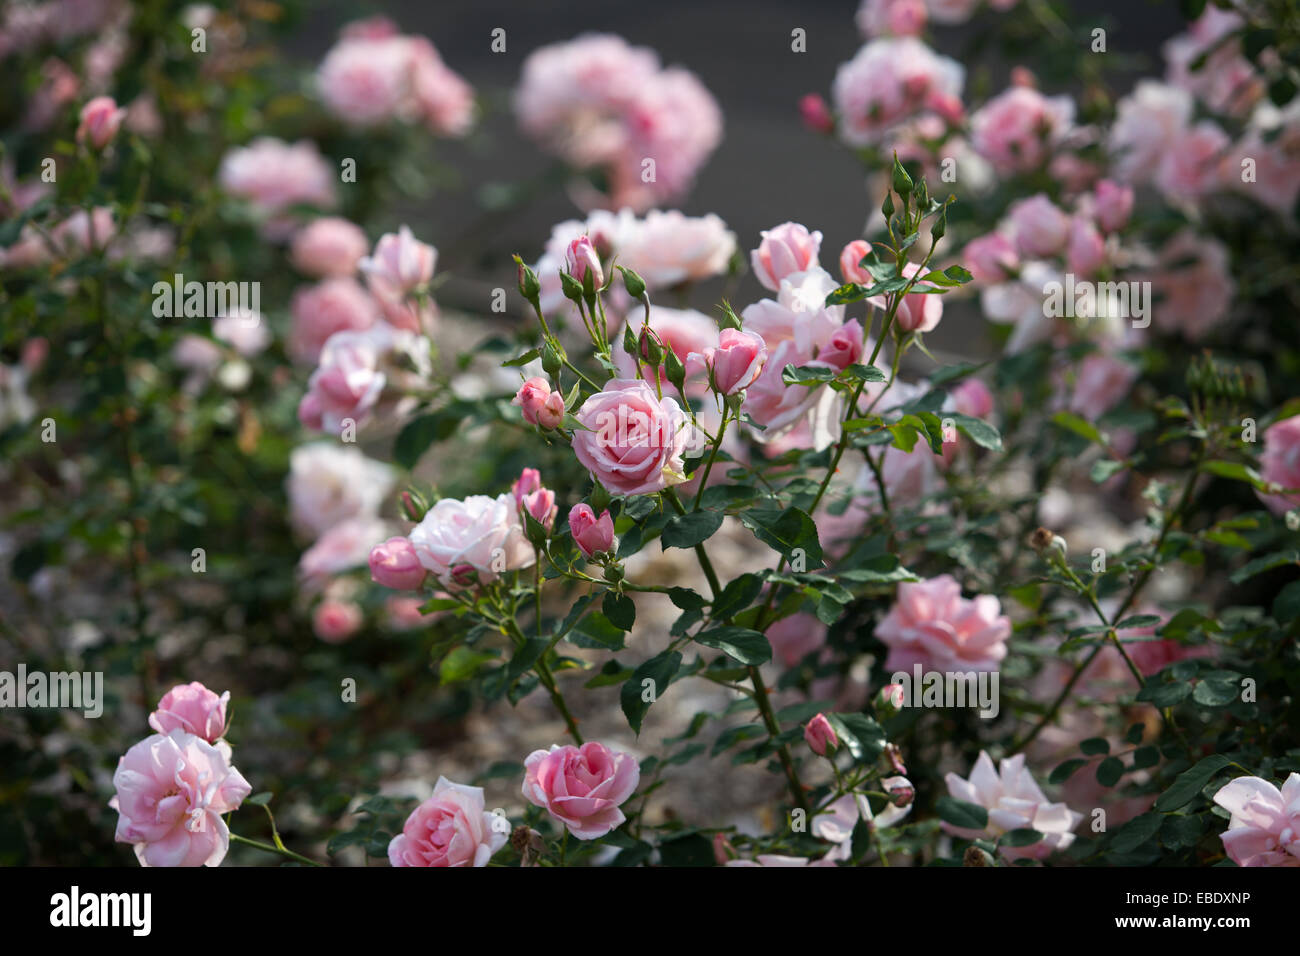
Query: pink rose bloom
x=972, y=397
x=194, y=709
x=366, y=81
x=631, y=441
x=329, y=246
x=100, y=121
x=81, y=232
x=1280, y=463
x=737, y=360
x=1147, y=122
x=540, y=406
x=400, y=264
x=1039, y=227
x=846, y=346
x=795, y=637
x=891, y=17
x=1113, y=205
x=1192, y=164
x=851, y=255
x=991, y=257
x=531, y=498
x=1208, y=63
x=348, y=382
x=1265, y=826
x=919, y=311
x=1101, y=383
x=480, y=533
x=1085, y=252
x=394, y=564
x=333, y=305
x=172, y=790
x=1193, y=286
x=931, y=624
x=329, y=483
x=668, y=248
x=1014, y=802
x=343, y=547
x=442, y=97
x=889, y=81
x=820, y=735
x=592, y=536
x=581, y=787
x=816, y=114
x=273, y=175
x=1017, y=129
x=243, y=330
x=336, y=621
x=451, y=828
x=783, y=251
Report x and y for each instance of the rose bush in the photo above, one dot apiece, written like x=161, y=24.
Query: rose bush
x=655, y=522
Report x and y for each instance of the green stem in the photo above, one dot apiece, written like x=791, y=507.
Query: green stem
x=297, y=857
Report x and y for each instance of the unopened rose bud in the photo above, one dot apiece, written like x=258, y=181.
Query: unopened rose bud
x=1114, y=205
x=394, y=564
x=531, y=399
x=850, y=258
x=592, y=535
x=413, y=506
x=816, y=114
x=722, y=849
x=100, y=120
x=584, y=263
x=900, y=790
x=820, y=736
x=529, y=286
x=633, y=283
x=400, y=264
x=736, y=362
x=890, y=700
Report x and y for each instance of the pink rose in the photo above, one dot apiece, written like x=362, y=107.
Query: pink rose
x=479, y=536
x=931, y=624
x=443, y=98
x=1040, y=229
x=1101, y=383
x=1264, y=829
x=334, y=305
x=343, y=547
x=1113, y=205
x=172, y=790
x=1147, y=122
x=451, y=828
x=1085, y=252
x=1193, y=285
x=1014, y=802
x=193, y=709
x=349, y=381
x=330, y=483
x=273, y=175
x=581, y=258
x=890, y=81
x=736, y=362
x=972, y=397
x=531, y=498
x=100, y=121
x=991, y=257
x=336, y=621
x=329, y=246
x=783, y=251
x=1193, y=164
x=581, y=787
x=1280, y=463
x=1017, y=129
x=394, y=564
x=919, y=311
x=592, y=536
x=400, y=265
x=820, y=735
x=539, y=404
x=816, y=114
x=668, y=248
x=853, y=254
x=631, y=441
x=795, y=637
x=846, y=346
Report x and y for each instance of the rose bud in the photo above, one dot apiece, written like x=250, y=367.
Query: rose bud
x=736, y=362
x=845, y=347
x=816, y=114
x=400, y=264
x=193, y=709
x=100, y=121
x=853, y=254
x=394, y=564
x=581, y=258
x=531, y=398
x=336, y=621
x=900, y=790
x=890, y=700
x=820, y=735
x=551, y=414
x=592, y=536
x=531, y=498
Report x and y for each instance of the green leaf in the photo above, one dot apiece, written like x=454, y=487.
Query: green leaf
x=620, y=609
x=424, y=430
x=1109, y=771
x=1065, y=771
x=867, y=373
x=1190, y=782
x=1021, y=836
x=978, y=431
x=739, y=643
x=1137, y=832
x=461, y=664
x=1145, y=757
x=598, y=631
x=1181, y=831
x=659, y=671
x=864, y=738
x=522, y=359
x=1286, y=606
x=688, y=530
x=1104, y=469
x=959, y=813
x=810, y=375
x=1267, y=563
x=1236, y=472
x=1073, y=423
x=259, y=799
x=686, y=599
x=1094, y=746
x=789, y=533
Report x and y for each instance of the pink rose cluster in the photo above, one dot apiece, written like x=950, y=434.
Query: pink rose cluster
x=374, y=75
x=581, y=788
x=174, y=787
x=274, y=176
x=600, y=104
x=1280, y=464
x=931, y=624
x=891, y=82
